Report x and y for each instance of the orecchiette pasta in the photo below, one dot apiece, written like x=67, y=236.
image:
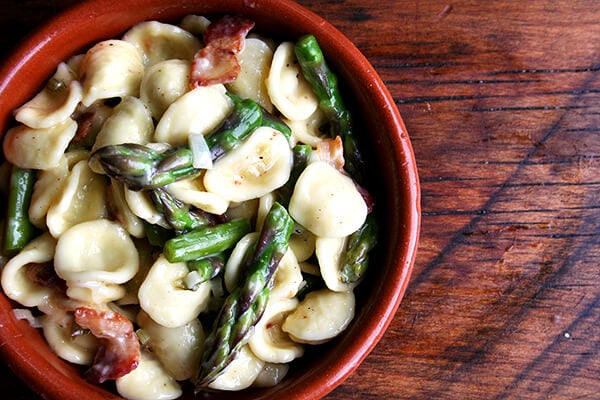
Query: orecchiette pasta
x=258, y=166
x=82, y=261
x=55, y=103
x=271, y=375
x=48, y=186
x=15, y=280
x=255, y=63
x=43, y=148
x=329, y=252
x=120, y=208
x=193, y=192
x=158, y=41
x=269, y=342
x=322, y=315
x=178, y=349
x=130, y=122
x=183, y=116
x=149, y=381
x=163, y=83
x=112, y=68
x=288, y=90
x=342, y=209
x=141, y=205
x=58, y=330
x=164, y=298
x=83, y=198
x=240, y=373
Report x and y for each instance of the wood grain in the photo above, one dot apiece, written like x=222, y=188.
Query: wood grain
x=501, y=100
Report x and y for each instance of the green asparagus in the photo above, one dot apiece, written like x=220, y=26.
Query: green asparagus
x=180, y=216
x=245, y=117
x=301, y=155
x=19, y=230
x=203, y=269
x=156, y=234
x=356, y=256
x=141, y=167
x=275, y=122
x=245, y=305
x=206, y=241
x=325, y=85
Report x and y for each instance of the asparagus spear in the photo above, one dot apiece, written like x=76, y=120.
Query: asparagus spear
x=301, y=154
x=156, y=234
x=245, y=117
x=206, y=241
x=141, y=167
x=244, y=305
x=203, y=269
x=356, y=256
x=19, y=230
x=275, y=122
x=181, y=216
x=325, y=85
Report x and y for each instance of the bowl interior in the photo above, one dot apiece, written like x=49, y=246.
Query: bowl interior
x=392, y=178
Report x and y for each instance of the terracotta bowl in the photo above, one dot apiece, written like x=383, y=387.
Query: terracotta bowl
x=392, y=171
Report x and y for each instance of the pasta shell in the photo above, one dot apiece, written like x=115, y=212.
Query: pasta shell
x=15, y=281
x=165, y=300
x=163, y=83
x=327, y=202
x=240, y=373
x=158, y=41
x=183, y=117
x=255, y=62
x=271, y=375
x=83, y=198
x=96, y=251
x=149, y=380
x=269, y=342
x=58, y=332
x=258, y=166
x=329, y=253
x=288, y=90
x=32, y=148
x=111, y=68
x=192, y=191
x=178, y=349
x=53, y=104
x=130, y=122
x=321, y=316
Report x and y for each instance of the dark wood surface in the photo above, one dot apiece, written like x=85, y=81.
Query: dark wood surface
x=502, y=103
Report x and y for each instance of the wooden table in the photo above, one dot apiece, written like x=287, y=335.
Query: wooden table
x=502, y=102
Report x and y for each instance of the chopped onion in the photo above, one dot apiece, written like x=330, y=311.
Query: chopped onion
x=192, y=280
x=200, y=152
x=23, y=313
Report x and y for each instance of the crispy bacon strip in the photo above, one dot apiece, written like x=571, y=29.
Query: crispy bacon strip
x=119, y=351
x=331, y=151
x=216, y=62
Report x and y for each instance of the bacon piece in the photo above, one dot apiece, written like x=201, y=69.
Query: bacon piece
x=331, y=151
x=45, y=275
x=119, y=351
x=216, y=62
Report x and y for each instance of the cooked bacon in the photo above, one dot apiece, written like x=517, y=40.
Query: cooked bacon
x=367, y=197
x=216, y=62
x=119, y=351
x=45, y=275
x=331, y=151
